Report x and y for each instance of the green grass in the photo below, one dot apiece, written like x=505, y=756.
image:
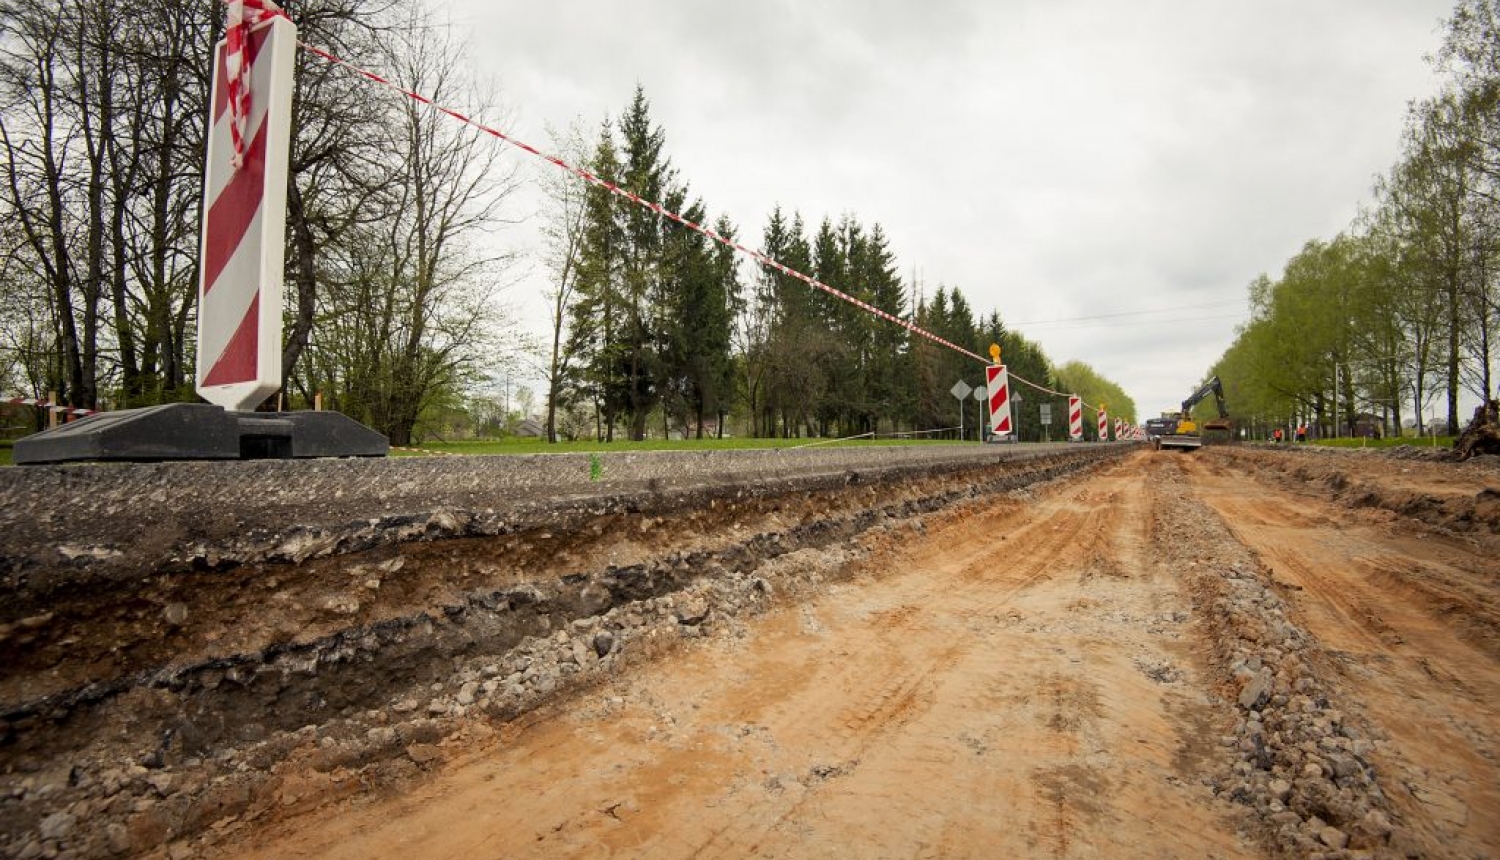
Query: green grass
x=494, y=447
x=1396, y=442
x=536, y=446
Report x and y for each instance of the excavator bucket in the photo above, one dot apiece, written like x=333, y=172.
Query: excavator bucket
x=1217, y=433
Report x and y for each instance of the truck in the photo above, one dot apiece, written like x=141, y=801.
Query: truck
x=1186, y=435
x=1159, y=427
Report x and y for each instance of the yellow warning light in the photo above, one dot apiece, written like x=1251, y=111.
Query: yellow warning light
x=995, y=352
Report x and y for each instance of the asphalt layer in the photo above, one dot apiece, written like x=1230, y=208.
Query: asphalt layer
x=150, y=511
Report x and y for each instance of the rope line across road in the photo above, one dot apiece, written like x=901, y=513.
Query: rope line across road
x=586, y=176
x=47, y=404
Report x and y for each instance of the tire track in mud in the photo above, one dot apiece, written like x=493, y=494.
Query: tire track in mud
x=874, y=698
x=879, y=708
x=1411, y=647
x=1016, y=682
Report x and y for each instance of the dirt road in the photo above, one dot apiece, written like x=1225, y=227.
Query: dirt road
x=1176, y=656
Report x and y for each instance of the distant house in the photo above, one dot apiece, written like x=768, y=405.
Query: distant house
x=531, y=428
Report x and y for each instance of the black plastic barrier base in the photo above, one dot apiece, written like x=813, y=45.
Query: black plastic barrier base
x=201, y=431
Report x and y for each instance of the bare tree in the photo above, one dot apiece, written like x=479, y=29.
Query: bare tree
x=339, y=159
x=54, y=173
x=563, y=232
x=409, y=316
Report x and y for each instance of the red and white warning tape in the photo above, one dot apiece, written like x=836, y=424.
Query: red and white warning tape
x=753, y=254
x=1045, y=390
x=241, y=17
x=62, y=410
x=649, y=204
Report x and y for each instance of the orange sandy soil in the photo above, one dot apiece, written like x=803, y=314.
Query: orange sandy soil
x=1027, y=677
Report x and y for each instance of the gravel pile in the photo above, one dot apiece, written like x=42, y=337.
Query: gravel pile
x=1299, y=762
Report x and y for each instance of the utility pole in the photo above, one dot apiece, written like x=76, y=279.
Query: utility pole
x=1337, y=425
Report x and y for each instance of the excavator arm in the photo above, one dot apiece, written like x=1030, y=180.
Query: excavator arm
x=1214, y=387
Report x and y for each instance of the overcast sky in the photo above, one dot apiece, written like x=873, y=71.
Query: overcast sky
x=1108, y=175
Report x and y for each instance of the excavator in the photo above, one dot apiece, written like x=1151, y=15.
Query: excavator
x=1186, y=436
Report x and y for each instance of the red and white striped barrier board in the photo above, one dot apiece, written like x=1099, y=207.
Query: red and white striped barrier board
x=1075, y=418
x=1103, y=425
x=997, y=384
x=244, y=205
x=1119, y=428
x=60, y=409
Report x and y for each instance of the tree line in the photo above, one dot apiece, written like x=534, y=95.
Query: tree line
x=1402, y=309
x=654, y=322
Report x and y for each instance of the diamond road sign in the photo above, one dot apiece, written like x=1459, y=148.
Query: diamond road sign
x=960, y=389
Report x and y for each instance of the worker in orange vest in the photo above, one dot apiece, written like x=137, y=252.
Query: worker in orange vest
x=1276, y=436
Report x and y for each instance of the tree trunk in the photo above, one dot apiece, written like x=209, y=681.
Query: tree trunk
x=305, y=274
x=554, y=373
x=1454, y=321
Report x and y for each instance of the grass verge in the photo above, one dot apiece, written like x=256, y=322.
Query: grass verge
x=1394, y=442
x=501, y=447
x=535, y=446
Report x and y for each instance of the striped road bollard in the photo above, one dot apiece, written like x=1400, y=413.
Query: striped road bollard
x=997, y=385
x=244, y=191
x=1103, y=423
x=1075, y=418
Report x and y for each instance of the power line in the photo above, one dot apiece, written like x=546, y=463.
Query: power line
x=1132, y=313
x=1148, y=322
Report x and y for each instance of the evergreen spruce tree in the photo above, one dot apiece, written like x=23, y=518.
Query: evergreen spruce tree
x=794, y=379
x=704, y=297
x=646, y=172
x=889, y=387
x=832, y=320
x=596, y=312
x=757, y=325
